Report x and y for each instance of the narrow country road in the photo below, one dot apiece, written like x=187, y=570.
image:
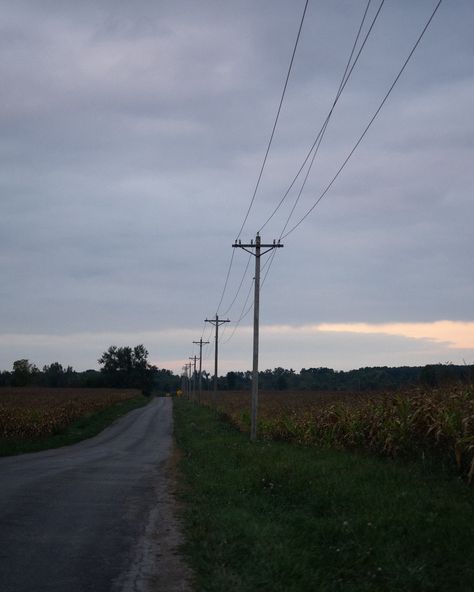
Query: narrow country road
x=96, y=516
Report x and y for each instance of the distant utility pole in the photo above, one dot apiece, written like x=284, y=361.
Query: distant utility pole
x=201, y=343
x=255, y=250
x=193, y=382
x=216, y=322
x=183, y=379
x=187, y=368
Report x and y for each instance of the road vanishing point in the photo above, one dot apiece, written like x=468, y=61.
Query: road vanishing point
x=97, y=516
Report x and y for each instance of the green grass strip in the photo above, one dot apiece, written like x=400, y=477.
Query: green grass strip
x=277, y=517
x=83, y=428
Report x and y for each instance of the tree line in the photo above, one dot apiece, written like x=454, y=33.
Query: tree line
x=128, y=367
x=361, y=380
x=120, y=367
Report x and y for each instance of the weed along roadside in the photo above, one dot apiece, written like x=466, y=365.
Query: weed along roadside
x=282, y=517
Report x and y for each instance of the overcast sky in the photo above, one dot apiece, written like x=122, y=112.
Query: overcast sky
x=132, y=134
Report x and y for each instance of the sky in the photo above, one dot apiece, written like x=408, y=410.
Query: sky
x=131, y=140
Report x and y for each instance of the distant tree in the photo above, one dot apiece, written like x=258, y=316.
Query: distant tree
x=55, y=375
x=164, y=381
x=428, y=376
x=128, y=367
x=231, y=380
x=89, y=379
x=5, y=378
x=206, y=380
x=23, y=372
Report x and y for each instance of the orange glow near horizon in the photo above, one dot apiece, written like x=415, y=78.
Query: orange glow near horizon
x=456, y=334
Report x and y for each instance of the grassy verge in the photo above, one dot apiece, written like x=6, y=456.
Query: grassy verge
x=277, y=517
x=85, y=427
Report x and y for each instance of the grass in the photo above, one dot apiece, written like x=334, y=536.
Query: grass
x=273, y=516
x=87, y=426
x=412, y=424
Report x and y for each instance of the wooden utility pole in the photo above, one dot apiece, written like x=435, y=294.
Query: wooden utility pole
x=188, y=380
x=193, y=380
x=255, y=249
x=183, y=379
x=201, y=343
x=216, y=322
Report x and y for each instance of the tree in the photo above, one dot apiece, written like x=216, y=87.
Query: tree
x=22, y=372
x=55, y=375
x=128, y=367
x=5, y=378
x=428, y=376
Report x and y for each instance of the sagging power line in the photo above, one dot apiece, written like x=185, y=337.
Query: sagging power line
x=311, y=154
x=366, y=129
x=267, y=151
x=314, y=149
x=316, y=144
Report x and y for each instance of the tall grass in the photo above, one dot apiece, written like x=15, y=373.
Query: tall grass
x=420, y=422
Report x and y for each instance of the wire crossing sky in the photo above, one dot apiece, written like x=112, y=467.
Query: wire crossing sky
x=316, y=144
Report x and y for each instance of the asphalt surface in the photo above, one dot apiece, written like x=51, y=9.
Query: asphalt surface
x=87, y=517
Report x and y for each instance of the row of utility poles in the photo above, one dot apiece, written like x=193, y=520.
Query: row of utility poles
x=191, y=374
x=257, y=249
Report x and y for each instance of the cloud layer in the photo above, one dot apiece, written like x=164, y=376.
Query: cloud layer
x=131, y=138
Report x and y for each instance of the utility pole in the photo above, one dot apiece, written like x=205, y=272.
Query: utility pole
x=216, y=322
x=255, y=249
x=187, y=368
x=201, y=343
x=183, y=379
x=193, y=382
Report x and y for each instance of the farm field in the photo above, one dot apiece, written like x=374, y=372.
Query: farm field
x=33, y=414
x=273, y=516
x=415, y=423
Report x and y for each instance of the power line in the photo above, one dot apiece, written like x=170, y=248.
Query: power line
x=226, y=281
x=243, y=314
x=319, y=137
x=240, y=286
x=266, y=154
x=345, y=77
x=282, y=235
x=328, y=187
x=275, y=122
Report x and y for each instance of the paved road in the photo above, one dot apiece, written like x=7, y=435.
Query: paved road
x=87, y=517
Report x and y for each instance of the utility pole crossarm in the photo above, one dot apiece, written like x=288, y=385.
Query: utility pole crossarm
x=247, y=247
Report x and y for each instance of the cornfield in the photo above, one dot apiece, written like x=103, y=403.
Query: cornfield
x=409, y=424
x=33, y=413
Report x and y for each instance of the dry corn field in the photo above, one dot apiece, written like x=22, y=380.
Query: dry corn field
x=408, y=424
x=27, y=413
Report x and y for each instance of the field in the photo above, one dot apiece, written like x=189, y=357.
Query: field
x=420, y=423
x=33, y=413
x=273, y=516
